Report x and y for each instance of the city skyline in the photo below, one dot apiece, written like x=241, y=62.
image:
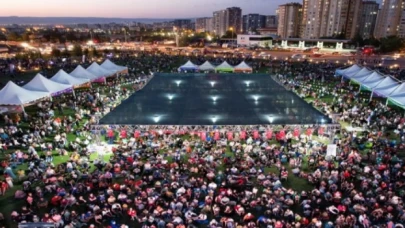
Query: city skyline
x=134, y=8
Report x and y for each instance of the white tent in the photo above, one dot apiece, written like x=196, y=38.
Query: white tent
x=360, y=75
x=372, y=81
x=399, y=90
x=207, y=66
x=224, y=67
x=188, y=66
x=342, y=72
x=80, y=72
x=243, y=67
x=13, y=94
x=42, y=84
x=65, y=78
x=108, y=65
x=398, y=99
x=100, y=72
x=386, y=87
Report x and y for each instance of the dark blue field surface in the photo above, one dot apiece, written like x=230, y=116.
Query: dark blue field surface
x=214, y=99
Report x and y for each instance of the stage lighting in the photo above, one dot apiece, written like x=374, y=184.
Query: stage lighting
x=271, y=119
x=156, y=118
x=212, y=84
x=214, y=119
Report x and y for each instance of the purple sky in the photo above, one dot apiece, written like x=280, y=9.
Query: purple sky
x=134, y=8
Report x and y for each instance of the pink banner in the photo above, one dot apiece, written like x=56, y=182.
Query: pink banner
x=216, y=136
x=309, y=132
x=243, y=135
x=98, y=80
x=269, y=134
x=320, y=131
x=281, y=135
x=110, y=133
x=137, y=134
x=203, y=136
x=256, y=135
x=230, y=135
x=296, y=132
x=123, y=134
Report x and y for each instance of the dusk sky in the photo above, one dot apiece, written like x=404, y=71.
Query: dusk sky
x=133, y=8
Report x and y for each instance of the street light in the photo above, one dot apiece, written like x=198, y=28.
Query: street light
x=231, y=28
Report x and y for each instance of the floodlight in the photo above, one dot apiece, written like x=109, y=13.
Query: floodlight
x=247, y=83
x=170, y=96
x=214, y=98
x=156, y=118
x=178, y=82
x=212, y=84
x=271, y=119
x=256, y=97
x=322, y=120
x=214, y=119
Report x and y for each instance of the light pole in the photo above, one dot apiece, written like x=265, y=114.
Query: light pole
x=231, y=28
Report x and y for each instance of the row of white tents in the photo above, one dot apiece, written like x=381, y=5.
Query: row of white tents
x=223, y=67
x=41, y=87
x=375, y=82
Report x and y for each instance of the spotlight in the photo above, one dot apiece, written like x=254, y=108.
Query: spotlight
x=178, y=82
x=256, y=97
x=170, y=97
x=214, y=98
x=212, y=84
x=156, y=118
x=271, y=119
x=214, y=119
x=248, y=83
x=322, y=120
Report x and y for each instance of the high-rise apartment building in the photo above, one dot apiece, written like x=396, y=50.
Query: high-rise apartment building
x=367, y=19
x=204, y=24
x=330, y=18
x=389, y=18
x=182, y=23
x=224, y=20
x=271, y=21
x=252, y=22
x=289, y=20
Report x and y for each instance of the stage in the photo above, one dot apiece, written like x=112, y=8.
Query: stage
x=213, y=99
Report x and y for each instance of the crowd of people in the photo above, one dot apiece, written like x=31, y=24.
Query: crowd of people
x=205, y=177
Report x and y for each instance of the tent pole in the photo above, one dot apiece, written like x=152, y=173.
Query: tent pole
x=371, y=96
x=50, y=98
x=23, y=109
x=73, y=92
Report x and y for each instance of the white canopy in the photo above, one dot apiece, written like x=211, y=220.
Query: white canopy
x=398, y=99
x=188, y=66
x=64, y=78
x=80, y=72
x=206, y=66
x=13, y=94
x=243, y=67
x=42, y=84
x=360, y=75
x=386, y=87
x=372, y=80
x=108, y=65
x=399, y=90
x=100, y=72
x=224, y=66
x=343, y=72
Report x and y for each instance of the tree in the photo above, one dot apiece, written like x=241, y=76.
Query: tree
x=26, y=36
x=86, y=52
x=77, y=50
x=391, y=43
x=94, y=52
x=13, y=36
x=357, y=40
x=229, y=34
x=56, y=53
x=65, y=53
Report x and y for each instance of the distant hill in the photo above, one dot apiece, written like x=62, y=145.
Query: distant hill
x=74, y=20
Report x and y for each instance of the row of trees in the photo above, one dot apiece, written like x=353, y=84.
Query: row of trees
x=78, y=51
x=386, y=44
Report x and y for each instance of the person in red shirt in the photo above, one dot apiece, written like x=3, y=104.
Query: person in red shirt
x=132, y=213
